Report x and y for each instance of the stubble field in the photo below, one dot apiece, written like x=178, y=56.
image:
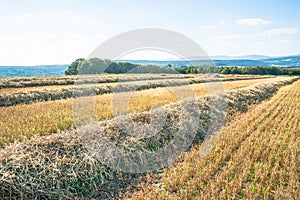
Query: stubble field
x=256, y=154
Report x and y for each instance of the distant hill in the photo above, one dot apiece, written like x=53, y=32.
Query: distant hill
x=248, y=60
x=39, y=70
x=286, y=61
x=246, y=57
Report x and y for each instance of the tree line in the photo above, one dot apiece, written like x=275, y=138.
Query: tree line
x=256, y=70
x=98, y=66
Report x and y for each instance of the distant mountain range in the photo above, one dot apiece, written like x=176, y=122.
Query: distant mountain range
x=248, y=60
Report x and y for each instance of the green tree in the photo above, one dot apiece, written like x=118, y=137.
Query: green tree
x=225, y=70
x=73, y=67
x=93, y=66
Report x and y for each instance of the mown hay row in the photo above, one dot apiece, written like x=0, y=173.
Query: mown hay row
x=70, y=80
x=31, y=96
x=60, y=166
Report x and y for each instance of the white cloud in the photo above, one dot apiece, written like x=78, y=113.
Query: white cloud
x=222, y=22
x=206, y=28
x=225, y=23
x=5, y=37
x=252, y=21
x=233, y=37
x=283, y=42
x=280, y=31
x=25, y=16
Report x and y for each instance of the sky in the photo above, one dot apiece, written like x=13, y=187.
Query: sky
x=35, y=32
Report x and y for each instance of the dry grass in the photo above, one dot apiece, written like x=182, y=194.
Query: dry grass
x=257, y=156
x=22, y=122
x=37, y=82
x=60, y=167
x=70, y=80
x=28, y=95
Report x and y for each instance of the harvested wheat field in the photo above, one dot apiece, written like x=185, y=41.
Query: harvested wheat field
x=253, y=130
x=257, y=156
x=24, y=121
x=22, y=94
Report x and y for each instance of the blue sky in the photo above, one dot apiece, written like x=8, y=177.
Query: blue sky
x=36, y=32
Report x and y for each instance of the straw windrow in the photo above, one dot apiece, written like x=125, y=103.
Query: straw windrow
x=23, y=95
